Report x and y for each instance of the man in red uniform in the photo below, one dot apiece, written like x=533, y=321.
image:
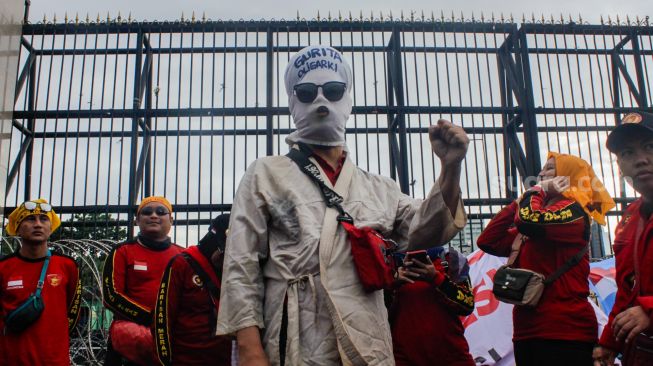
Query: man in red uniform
x=187, y=307
x=425, y=314
x=46, y=340
x=131, y=277
x=629, y=325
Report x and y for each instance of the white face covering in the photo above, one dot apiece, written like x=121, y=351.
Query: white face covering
x=318, y=65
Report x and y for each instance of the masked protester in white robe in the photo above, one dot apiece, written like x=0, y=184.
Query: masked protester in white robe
x=285, y=249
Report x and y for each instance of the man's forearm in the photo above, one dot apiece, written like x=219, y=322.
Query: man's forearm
x=250, y=348
x=449, y=181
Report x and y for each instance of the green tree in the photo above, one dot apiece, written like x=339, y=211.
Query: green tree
x=94, y=226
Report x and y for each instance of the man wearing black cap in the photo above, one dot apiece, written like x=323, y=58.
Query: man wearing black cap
x=629, y=324
x=187, y=305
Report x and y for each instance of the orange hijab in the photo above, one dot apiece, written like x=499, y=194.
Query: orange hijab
x=585, y=187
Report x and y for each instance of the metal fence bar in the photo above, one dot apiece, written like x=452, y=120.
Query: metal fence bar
x=207, y=98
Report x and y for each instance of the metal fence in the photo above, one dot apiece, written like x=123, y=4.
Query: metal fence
x=109, y=111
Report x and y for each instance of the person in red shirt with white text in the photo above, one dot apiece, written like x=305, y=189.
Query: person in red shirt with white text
x=130, y=282
x=552, y=220
x=187, y=308
x=29, y=336
x=629, y=330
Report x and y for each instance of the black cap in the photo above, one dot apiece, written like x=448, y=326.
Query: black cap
x=632, y=124
x=216, y=238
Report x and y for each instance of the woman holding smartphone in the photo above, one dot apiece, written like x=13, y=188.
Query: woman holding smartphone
x=425, y=313
x=553, y=220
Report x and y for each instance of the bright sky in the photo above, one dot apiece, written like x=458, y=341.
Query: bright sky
x=590, y=10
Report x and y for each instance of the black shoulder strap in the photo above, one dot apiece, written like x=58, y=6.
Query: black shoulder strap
x=331, y=198
x=206, y=280
x=568, y=264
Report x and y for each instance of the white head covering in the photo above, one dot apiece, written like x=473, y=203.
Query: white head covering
x=318, y=65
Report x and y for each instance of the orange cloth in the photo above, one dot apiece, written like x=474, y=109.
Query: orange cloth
x=585, y=187
x=159, y=199
x=21, y=213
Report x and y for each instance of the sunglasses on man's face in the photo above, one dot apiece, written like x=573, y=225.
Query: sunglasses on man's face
x=307, y=92
x=31, y=206
x=159, y=211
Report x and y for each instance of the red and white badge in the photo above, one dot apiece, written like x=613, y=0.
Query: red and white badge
x=15, y=283
x=140, y=266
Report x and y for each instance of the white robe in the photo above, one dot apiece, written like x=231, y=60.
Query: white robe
x=284, y=242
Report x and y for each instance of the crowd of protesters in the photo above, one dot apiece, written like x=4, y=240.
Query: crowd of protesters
x=295, y=275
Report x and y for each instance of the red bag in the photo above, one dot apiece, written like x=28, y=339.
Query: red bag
x=372, y=255
x=133, y=341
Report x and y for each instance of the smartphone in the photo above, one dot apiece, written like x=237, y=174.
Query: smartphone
x=418, y=255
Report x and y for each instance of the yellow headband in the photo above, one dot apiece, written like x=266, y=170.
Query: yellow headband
x=21, y=213
x=159, y=199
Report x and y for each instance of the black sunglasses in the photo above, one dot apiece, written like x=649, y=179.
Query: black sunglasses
x=307, y=92
x=159, y=211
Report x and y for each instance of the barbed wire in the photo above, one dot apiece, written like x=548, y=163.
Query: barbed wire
x=411, y=17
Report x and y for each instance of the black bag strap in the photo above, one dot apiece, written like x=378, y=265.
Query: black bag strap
x=206, y=280
x=516, y=247
x=331, y=197
x=567, y=266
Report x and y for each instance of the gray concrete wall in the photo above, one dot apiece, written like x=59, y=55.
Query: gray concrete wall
x=11, y=16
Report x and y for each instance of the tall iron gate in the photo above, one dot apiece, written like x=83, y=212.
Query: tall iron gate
x=109, y=111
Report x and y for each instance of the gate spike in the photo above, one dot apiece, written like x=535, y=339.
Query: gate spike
x=298, y=15
x=512, y=20
x=609, y=20
x=618, y=19
x=523, y=18
x=361, y=16
x=462, y=16
x=203, y=17
x=87, y=19
x=601, y=19
x=192, y=19
x=422, y=14
x=339, y=16
x=350, y=17
x=76, y=18
x=482, y=18
x=432, y=16
x=45, y=19
x=533, y=17
x=119, y=17
x=402, y=15
x=442, y=15
x=628, y=19
x=412, y=16
x=329, y=15
x=390, y=15
x=493, y=17
x=54, y=18
x=580, y=19
x=473, y=19
x=108, y=17
x=570, y=20
x=129, y=19
x=637, y=19
x=65, y=17
x=318, y=15
x=182, y=16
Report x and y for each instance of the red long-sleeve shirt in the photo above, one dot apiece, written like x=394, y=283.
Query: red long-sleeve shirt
x=425, y=322
x=554, y=234
x=46, y=342
x=628, y=294
x=186, y=316
x=131, y=277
